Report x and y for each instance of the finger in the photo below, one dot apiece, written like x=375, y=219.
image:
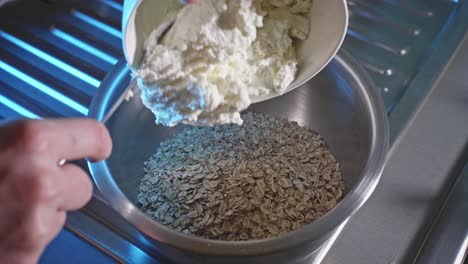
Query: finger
x=54, y=221
x=32, y=234
x=46, y=223
x=75, y=187
x=77, y=139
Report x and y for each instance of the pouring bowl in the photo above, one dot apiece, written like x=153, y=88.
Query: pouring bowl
x=328, y=25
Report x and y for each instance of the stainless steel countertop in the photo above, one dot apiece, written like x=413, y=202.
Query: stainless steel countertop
x=426, y=157
x=392, y=227
x=447, y=240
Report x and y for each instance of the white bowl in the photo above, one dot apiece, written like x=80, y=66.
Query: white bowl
x=328, y=25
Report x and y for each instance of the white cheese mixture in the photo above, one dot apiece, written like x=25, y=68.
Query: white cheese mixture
x=217, y=55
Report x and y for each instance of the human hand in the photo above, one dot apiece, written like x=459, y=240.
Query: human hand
x=35, y=192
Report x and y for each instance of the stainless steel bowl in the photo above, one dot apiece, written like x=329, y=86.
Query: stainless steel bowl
x=340, y=103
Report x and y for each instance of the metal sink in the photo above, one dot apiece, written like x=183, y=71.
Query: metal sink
x=69, y=46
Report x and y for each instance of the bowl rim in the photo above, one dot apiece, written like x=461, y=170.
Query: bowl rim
x=334, y=50
x=354, y=199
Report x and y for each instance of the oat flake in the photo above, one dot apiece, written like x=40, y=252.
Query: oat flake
x=228, y=182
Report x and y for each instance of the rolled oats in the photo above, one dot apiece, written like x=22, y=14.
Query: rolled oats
x=255, y=181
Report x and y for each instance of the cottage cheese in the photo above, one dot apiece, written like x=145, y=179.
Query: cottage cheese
x=217, y=56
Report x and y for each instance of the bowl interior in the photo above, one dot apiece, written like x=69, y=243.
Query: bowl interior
x=332, y=104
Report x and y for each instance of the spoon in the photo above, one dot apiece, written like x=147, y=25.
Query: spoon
x=139, y=20
x=157, y=34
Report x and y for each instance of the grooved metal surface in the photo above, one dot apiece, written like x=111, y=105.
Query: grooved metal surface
x=54, y=55
x=392, y=38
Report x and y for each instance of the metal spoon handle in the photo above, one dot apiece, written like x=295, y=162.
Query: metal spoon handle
x=119, y=101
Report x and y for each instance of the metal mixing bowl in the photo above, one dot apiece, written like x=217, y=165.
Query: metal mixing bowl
x=340, y=103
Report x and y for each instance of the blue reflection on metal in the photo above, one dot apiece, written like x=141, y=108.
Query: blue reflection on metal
x=84, y=46
x=60, y=64
x=137, y=255
x=43, y=88
x=17, y=108
x=357, y=35
x=112, y=4
x=97, y=24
